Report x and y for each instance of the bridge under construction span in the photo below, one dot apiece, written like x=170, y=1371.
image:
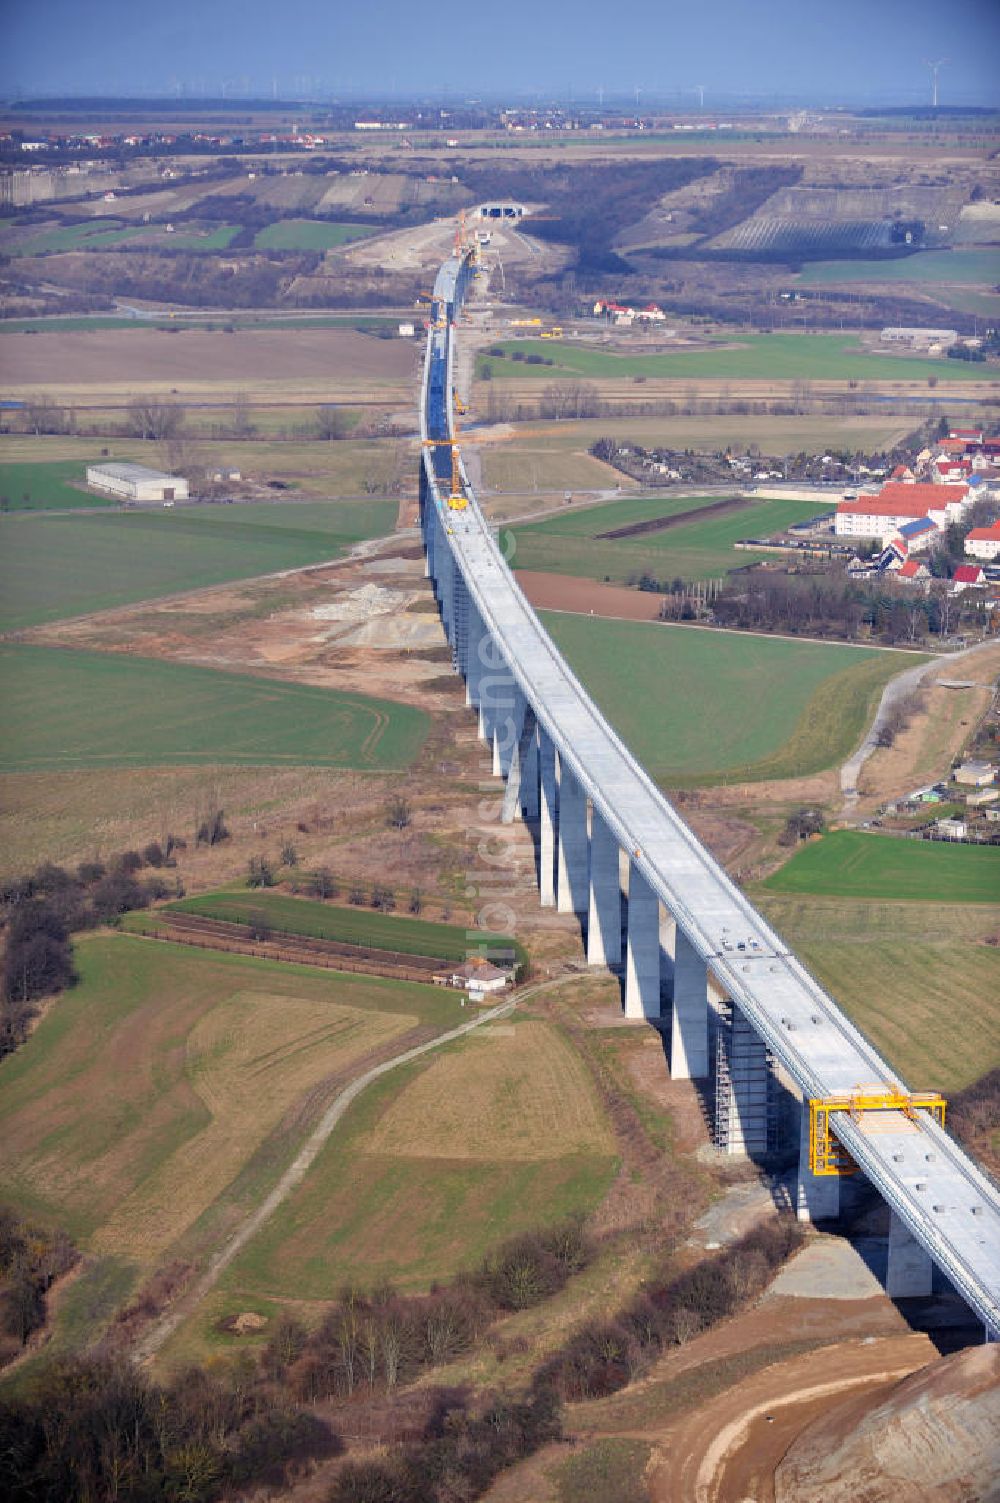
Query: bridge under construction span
x=697, y=957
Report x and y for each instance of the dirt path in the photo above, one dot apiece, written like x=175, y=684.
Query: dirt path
x=159, y=1333
x=726, y=1450
x=896, y=691
x=293, y=1175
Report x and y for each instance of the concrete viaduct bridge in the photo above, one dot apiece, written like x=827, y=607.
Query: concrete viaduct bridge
x=690, y=935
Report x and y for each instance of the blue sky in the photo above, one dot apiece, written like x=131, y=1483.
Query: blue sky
x=824, y=50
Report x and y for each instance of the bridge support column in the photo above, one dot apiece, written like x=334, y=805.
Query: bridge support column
x=461, y=606
x=517, y=774
x=604, y=922
x=529, y=774
x=546, y=820
x=496, y=697
x=742, y=1086
x=474, y=666
x=510, y=723
x=689, y=1026
x=642, y=967
x=909, y=1269
x=817, y=1196
x=572, y=891
x=668, y=946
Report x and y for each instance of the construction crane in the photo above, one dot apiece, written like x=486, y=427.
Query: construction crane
x=826, y=1154
x=457, y=500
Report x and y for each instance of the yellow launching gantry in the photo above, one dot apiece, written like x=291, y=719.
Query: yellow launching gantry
x=458, y=500
x=829, y=1156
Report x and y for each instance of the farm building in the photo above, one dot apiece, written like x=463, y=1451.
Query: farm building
x=479, y=978
x=914, y=339
x=975, y=774
x=134, y=482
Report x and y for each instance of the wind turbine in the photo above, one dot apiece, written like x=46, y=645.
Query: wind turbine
x=935, y=67
x=699, y=89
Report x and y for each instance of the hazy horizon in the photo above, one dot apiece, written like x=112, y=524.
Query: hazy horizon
x=773, y=52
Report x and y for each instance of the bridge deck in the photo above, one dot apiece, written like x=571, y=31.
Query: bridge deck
x=957, y=1217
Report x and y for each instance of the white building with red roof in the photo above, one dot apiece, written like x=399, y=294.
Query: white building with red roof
x=984, y=542
x=897, y=503
x=967, y=577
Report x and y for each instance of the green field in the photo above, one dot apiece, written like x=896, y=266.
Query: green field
x=46, y=487
x=757, y=357
x=569, y=543
x=308, y=234
x=706, y=707
x=354, y=926
x=79, y=323
x=95, y=234
x=850, y=864
x=66, y=709
x=966, y=267
x=171, y=1082
x=53, y=567
x=917, y=977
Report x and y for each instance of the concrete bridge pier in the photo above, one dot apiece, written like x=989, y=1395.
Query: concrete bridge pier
x=572, y=890
x=518, y=771
x=547, y=820
x=909, y=1270
x=529, y=774
x=642, y=963
x=817, y=1196
x=473, y=661
x=689, y=1025
x=604, y=921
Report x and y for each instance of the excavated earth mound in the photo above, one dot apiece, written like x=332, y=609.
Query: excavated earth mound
x=936, y=1436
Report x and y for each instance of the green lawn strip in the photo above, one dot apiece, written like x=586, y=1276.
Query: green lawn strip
x=87, y=1306
x=76, y=324
x=354, y=926
x=364, y=1218
x=970, y=267
x=68, y=709
x=777, y=708
x=308, y=234
x=45, y=486
x=698, y=549
x=98, y=234
x=851, y=864
x=53, y=566
x=756, y=357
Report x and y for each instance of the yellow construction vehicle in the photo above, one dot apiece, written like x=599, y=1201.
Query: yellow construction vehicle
x=460, y=407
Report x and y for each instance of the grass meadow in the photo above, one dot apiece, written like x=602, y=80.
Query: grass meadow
x=851, y=864
x=98, y=234
x=76, y=710
x=353, y=926
x=756, y=357
x=499, y=1133
x=707, y=707
x=46, y=487
x=570, y=543
x=917, y=977
x=308, y=234
x=972, y=268
x=54, y=567
x=162, y=1095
